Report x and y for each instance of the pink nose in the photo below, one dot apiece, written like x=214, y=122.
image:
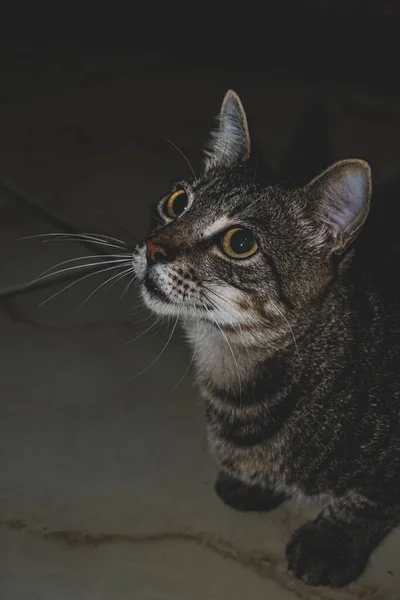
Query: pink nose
x=155, y=252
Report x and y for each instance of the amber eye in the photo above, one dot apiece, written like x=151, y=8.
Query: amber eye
x=177, y=204
x=239, y=243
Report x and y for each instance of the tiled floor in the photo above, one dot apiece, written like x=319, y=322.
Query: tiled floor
x=106, y=483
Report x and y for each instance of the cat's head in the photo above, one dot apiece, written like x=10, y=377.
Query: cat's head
x=229, y=248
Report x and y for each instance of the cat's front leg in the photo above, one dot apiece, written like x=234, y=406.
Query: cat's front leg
x=240, y=496
x=334, y=548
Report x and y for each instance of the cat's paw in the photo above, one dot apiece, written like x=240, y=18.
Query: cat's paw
x=320, y=554
x=240, y=496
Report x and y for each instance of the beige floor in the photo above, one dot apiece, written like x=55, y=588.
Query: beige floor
x=106, y=483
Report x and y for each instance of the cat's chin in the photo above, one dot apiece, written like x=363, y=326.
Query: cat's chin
x=154, y=291
x=163, y=306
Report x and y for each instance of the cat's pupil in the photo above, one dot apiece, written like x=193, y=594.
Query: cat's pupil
x=242, y=241
x=180, y=203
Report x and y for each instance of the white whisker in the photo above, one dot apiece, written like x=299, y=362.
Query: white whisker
x=162, y=351
x=77, y=235
x=290, y=327
x=240, y=333
x=105, y=262
x=78, y=281
x=124, y=274
x=64, y=262
x=139, y=303
x=99, y=239
x=215, y=293
x=145, y=318
x=92, y=240
x=230, y=347
x=186, y=371
x=128, y=285
x=235, y=327
x=145, y=331
x=100, y=286
x=183, y=155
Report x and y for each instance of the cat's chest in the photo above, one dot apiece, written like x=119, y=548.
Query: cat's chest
x=218, y=360
x=246, y=425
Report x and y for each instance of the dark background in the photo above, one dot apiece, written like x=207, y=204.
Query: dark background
x=101, y=429
x=339, y=40
x=87, y=99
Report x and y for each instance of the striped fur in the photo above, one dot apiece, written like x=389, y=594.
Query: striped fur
x=297, y=349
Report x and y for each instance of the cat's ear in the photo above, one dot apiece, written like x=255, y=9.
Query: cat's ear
x=340, y=200
x=230, y=143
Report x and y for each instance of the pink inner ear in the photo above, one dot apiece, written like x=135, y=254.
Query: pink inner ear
x=230, y=144
x=345, y=199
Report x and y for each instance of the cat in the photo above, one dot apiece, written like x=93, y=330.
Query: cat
x=295, y=329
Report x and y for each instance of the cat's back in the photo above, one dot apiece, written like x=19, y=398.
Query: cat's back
x=371, y=287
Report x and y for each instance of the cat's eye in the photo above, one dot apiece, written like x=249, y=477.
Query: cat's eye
x=177, y=203
x=239, y=242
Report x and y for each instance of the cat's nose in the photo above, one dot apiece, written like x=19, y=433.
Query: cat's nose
x=156, y=253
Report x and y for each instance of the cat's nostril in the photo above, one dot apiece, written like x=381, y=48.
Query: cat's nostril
x=155, y=252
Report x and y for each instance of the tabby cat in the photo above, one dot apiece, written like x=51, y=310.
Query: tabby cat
x=296, y=336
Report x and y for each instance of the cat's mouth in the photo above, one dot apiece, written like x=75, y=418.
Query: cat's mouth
x=173, y=290
x=173, y=295
x=153, y=289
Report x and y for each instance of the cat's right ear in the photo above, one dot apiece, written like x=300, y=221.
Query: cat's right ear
x=340, y=199
x=230, y=143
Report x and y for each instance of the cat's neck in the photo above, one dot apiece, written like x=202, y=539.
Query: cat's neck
x=229, y=356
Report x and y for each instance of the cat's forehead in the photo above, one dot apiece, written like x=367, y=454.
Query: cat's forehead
x=222, y=186
x=224, y=198
x=231, y=193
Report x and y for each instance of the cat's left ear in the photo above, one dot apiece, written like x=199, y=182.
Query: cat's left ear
x=340, y=199
x=230, y=143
